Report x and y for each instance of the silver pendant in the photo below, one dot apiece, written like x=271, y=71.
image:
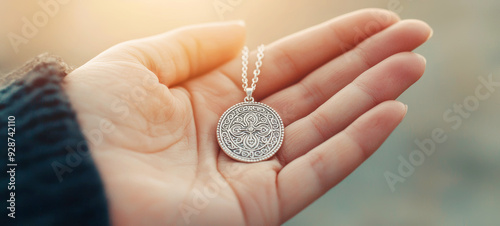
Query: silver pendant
x=250, y=131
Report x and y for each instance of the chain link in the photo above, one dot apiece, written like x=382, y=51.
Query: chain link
x=256, y=72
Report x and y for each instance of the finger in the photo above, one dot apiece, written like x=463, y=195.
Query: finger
x=310, y=176
x=182, y=53
x=289, y=59
x=385, y=81
x=321, y=84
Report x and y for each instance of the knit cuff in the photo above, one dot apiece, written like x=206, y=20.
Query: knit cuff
x=52, y=176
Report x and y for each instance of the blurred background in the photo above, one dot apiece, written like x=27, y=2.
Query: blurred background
x=458, y=184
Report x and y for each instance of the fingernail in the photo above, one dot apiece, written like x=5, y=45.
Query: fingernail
x=406, y=109
x=430, y=34
x=422, y=57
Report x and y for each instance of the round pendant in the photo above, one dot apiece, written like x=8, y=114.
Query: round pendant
x=250, y=132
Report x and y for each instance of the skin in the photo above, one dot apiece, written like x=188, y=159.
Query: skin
x=157, y=101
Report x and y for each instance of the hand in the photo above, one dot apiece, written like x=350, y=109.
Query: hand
x=156, y=102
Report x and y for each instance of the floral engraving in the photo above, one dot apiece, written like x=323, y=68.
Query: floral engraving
x=250, y=131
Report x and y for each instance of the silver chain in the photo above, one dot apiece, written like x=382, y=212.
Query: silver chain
x=256, y=72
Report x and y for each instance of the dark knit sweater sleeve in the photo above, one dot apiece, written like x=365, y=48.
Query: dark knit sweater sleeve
x=49, y=173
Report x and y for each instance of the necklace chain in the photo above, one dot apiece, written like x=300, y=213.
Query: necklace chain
x=256, y=72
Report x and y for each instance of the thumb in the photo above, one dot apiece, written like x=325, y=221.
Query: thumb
x=183, y=53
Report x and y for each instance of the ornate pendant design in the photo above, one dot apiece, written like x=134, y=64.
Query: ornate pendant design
x=250, y=131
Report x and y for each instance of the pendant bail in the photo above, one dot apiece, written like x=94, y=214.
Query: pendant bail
x=249, y=92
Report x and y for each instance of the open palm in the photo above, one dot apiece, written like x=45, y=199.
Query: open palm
x=149, y=109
